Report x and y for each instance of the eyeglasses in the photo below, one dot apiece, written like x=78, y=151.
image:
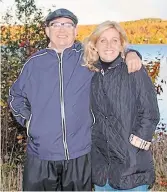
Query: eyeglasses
x=58, y=25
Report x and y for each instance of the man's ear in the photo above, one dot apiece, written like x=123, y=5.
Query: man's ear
x=47, y=31
x=76, y=31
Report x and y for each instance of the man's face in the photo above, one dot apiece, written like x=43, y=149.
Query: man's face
x=62, y=33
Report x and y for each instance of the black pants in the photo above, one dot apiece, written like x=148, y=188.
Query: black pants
x=72, y=175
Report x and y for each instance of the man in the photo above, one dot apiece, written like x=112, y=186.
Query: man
x=51, y=96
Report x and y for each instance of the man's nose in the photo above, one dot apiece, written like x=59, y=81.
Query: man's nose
x=62, y=28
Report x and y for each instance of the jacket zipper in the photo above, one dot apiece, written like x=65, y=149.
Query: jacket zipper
x=62, y=107
x=105, y=72
x=28, y=125
x=94, y=119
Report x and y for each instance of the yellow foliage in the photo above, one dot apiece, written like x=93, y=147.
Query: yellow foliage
x=145, y=31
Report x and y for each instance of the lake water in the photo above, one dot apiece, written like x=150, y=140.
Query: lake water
x=157, y=53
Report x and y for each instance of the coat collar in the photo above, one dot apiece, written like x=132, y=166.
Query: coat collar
x=113, y=64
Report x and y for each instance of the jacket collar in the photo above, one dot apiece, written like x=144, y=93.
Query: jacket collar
x=77, y=46
x=113, y=64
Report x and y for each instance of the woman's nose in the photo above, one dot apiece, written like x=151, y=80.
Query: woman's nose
x=109, y=44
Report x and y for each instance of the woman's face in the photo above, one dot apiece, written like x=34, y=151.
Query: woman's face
x=109, y=45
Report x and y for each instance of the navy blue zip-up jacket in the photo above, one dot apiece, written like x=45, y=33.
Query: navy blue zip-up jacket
x=51, y=94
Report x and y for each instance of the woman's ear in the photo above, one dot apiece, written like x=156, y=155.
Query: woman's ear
x=123, y=52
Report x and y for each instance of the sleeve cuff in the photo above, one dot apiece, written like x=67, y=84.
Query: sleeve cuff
x=139, y=143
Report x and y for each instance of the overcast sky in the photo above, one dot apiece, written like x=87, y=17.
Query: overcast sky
x=96, y=11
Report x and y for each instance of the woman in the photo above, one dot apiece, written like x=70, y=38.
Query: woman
x=125, y=111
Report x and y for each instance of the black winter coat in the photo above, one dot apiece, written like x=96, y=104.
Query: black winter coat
x=122, y=104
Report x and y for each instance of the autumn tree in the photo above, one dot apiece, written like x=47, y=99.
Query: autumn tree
x=17, y=46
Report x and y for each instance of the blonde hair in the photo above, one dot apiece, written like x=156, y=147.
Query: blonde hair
x=91, y=56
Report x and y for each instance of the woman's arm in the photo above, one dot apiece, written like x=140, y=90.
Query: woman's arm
x=148, y=111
